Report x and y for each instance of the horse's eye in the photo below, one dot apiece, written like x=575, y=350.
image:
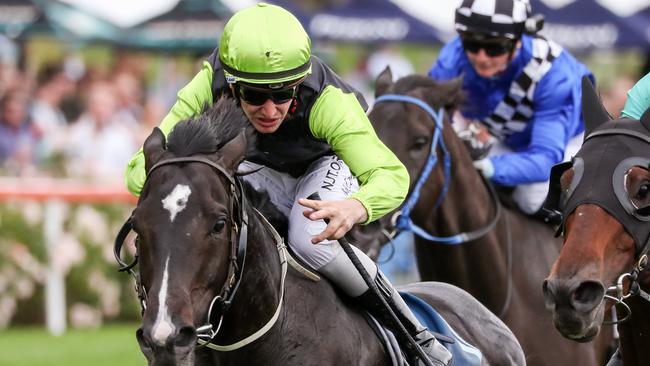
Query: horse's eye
x=219, y=225
x=643, y=191
x=419, y=143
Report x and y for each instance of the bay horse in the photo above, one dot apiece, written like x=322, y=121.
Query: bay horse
x=603, y=195
x=506, y=255
x=213, y=278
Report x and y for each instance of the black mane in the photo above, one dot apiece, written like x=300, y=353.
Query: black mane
x=262, y=202
x=206, y=132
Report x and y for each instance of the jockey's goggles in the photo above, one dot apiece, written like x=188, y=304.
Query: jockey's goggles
x=258, y=96
x=493, y=46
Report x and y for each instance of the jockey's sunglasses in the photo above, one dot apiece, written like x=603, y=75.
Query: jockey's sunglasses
x=493, y=47
x=257, y=97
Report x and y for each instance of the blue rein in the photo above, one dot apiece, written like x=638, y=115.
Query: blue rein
x=404, y=221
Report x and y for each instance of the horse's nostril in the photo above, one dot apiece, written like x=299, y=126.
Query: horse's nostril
x=549, y=295
x=587, y=295
x=139, y=335
x=145, y=345
x=186, y=337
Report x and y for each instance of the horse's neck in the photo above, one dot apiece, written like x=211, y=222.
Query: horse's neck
x=259, y=292
x=311, y=313
x=466, y=207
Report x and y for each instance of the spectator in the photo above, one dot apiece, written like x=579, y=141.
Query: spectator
x=128, y=92
x=99, y=144
x=53, y=86
x=164, y=89
x=9, y=73
x=16, y=139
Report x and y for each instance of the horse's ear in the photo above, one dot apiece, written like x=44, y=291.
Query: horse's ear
x=384, y=82
x=454, y=91
x=153, y=148
x=234, y=151
x=593, y=111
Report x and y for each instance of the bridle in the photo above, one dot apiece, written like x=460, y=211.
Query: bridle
x=237, y=249
x=236, y=260
x=401, y=220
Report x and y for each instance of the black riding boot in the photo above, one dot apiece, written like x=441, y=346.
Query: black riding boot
x=437, y=353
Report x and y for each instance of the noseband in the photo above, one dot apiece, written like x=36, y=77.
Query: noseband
x=236, y=258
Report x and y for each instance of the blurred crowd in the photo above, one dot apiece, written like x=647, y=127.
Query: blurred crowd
x=72, y=119
x=78, y=120
x=75, y=120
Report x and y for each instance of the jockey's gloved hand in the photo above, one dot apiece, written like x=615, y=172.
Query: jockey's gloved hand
x=486, y=167
x=477, y=140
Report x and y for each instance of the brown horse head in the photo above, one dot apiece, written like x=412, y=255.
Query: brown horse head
x=604, y=196
x=184, y=220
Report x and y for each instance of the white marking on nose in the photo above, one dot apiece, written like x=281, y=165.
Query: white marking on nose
x=176, y=201
x=163, y=327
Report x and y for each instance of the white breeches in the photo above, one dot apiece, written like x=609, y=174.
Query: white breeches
x=332, y=179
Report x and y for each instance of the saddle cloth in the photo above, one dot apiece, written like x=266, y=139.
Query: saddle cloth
x=464, y=353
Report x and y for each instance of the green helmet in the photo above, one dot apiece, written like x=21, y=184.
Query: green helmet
x=265, y=44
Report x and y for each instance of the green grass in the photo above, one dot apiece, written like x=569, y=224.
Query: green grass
x=108, y=346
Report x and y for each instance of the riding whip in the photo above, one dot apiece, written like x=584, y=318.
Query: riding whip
x=347, y=248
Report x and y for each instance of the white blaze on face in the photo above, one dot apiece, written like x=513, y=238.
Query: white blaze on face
x=176, y=201
x=163, y=327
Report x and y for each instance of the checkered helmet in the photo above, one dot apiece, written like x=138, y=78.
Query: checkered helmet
x=499, y=18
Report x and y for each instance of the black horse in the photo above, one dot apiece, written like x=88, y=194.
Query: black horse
x=604, y=194
x=506, y=255
x=214, y=281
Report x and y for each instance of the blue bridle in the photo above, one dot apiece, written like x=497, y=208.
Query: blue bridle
x=404, y=221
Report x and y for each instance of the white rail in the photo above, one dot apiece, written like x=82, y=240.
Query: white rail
x=53, y=193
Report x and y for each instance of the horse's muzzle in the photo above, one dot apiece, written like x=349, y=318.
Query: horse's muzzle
x=176, y=350
x=576, y=306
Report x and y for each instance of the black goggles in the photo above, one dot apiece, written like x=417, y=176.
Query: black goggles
x=257, y=97
x=493, y=47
